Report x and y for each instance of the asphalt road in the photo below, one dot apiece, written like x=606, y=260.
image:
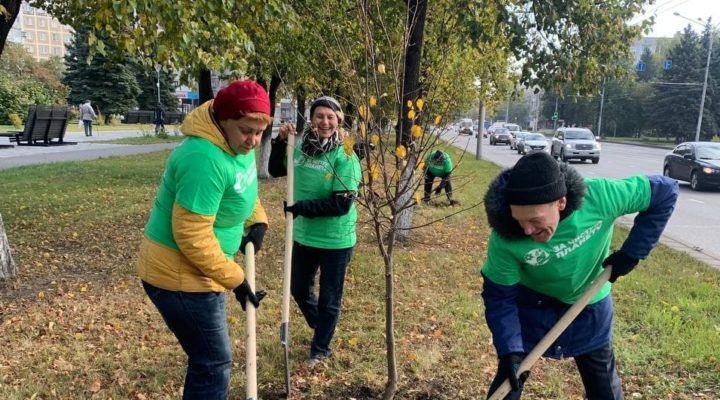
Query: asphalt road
x=695, y=223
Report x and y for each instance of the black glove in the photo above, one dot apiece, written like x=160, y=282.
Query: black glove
x=290, y=209
x=255, y=235
x=508, y=367
x=244, y=293
x=621, y=264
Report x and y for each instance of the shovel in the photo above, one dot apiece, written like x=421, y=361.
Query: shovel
x=250, y=344
x=285, y=322
x=554, y=333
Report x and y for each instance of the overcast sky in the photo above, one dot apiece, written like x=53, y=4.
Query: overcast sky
x=666, y=24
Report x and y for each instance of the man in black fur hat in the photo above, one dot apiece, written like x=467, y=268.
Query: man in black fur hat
x=551, y=238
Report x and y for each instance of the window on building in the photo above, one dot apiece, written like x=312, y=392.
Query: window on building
x=55, y=37
x=42, y=22
x=42, y=36
x=57, y=51
x=27, y=9
x=29, y=36
x=43, y=50
x=29, y=21
x=30, y=48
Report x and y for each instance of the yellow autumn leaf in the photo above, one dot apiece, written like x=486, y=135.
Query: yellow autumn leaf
x=417, y=197
x=41, y=294
x=416, y=132
x=420, y=103
x=410, y=104
x=412, y=357
x=375, y=139
x=51, y=325
x=421, y=164
x=375, y=171
x=401, y=151
x=373, y=101
x=381, y=69
x=348, y=144
x=363, y=130
x=353, y=341
x=362, y=111
x=675, y=309
x=232, y=320
x=438, y=119
x=411, y=114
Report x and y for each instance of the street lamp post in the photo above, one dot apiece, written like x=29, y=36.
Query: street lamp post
x=481, y=122
x=707, y=70
x=158, y=67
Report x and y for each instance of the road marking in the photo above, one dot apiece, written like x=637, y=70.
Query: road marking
x=697, y=201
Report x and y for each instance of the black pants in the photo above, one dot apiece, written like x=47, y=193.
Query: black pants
x=321, y=312
x=598, y=373
x=430, y=178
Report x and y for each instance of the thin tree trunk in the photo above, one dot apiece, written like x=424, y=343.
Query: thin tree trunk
x=391, y=384
x=300, y=111
x=411, y=91
x=405, y=200
x=205, y=89
x=265, y=147
x=7, y=264
x=6, y=20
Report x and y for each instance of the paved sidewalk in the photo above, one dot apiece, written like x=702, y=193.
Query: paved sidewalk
x=83, y=150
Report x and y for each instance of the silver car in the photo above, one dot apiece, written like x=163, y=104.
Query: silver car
x=532, y=143
x=575, y=143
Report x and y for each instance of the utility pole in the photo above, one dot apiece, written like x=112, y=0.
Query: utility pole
x=707, y=69
x=602, y=101
x=537, y=111
x=507, y=112
x=555, y=121
x=158, y=67
x=481, y=131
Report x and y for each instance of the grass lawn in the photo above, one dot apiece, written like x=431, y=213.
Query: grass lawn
x=75, y=324
x=73, y=127
x=142, y=140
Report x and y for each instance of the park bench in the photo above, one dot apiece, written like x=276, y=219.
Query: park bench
x=44, y=126
x=148, y=117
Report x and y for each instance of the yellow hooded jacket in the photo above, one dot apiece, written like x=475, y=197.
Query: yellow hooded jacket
x=200, y=265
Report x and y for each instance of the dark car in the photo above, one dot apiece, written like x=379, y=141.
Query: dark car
x=694, y=162
x=500, y=135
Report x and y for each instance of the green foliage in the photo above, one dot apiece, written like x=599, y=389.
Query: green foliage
x=24, y=81
x=15, y=120
x=147, y=81
x=109, y=82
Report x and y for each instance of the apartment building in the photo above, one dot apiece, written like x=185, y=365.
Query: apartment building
x=42, y=35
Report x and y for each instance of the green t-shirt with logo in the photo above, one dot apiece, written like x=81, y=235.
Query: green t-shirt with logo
x=317, y=178
x=439, y=169
x=569, y=262
x=205, y=180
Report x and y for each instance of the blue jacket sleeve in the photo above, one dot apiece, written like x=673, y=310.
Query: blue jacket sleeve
x=501, y=314
x=649, y=224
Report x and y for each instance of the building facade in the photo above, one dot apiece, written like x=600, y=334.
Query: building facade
x=42, y=35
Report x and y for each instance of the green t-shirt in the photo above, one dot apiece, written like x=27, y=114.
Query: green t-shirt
x=438, y=169
x=205, y=180
x=317, y=178
x=569, y=262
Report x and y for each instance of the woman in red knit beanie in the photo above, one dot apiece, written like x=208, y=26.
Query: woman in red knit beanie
x=207, y=200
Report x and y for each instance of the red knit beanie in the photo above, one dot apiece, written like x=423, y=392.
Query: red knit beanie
x=240, y=98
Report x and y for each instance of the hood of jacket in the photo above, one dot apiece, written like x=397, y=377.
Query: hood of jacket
x=498, y=211
x=200, y=123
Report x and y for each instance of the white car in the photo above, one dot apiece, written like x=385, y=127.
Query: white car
x=532, y=143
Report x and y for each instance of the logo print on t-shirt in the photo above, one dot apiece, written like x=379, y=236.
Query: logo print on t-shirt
x=537, y=257
x=243, y=179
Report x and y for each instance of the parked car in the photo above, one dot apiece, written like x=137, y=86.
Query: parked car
x=694, y=162
x=575, y=143
x=500, y=135
x=532, y=143
x=515, y=139
x=513, y=128
x=466, y=126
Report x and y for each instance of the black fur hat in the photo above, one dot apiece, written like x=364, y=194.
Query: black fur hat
x=535, y=179
x=498, y=209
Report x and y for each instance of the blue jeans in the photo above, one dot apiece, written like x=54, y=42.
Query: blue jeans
x=87, y=124
x=199, y=323
x=321, y=313
x=598, y=372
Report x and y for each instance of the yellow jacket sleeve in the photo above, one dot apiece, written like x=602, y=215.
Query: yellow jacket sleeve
x=194, y=237
x=258, y=215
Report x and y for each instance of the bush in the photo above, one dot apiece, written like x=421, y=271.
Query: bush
x=15, y=120
x=716, y=138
